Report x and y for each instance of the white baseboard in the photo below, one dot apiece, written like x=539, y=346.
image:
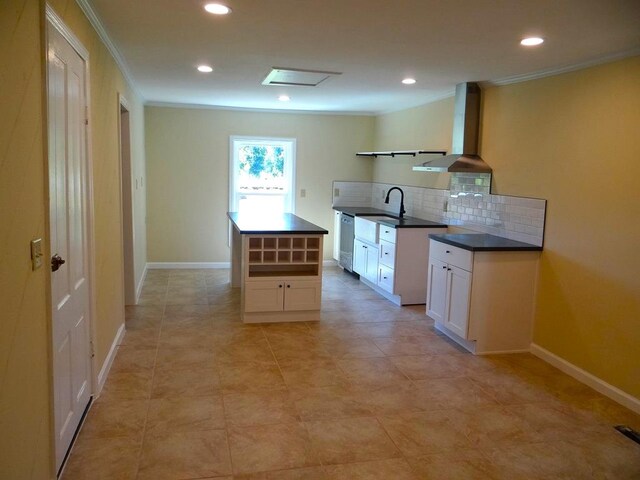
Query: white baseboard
x=106, y=366
x=187, y=265
x=141, y=283
x=614, y=393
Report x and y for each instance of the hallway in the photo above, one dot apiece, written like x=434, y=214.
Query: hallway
x=371, y=391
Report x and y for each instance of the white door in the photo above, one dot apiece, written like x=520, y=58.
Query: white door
x=68, y=216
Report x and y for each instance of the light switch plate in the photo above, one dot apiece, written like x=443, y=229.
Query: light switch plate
x=36, y=253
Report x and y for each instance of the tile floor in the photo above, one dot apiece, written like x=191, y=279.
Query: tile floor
x=369, y=392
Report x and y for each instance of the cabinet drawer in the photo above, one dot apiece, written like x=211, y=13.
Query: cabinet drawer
x=387, y=253
x=385, y=278
x=458, y=257
x=387, y=233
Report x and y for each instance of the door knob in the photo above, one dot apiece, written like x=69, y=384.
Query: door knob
x=56, y=261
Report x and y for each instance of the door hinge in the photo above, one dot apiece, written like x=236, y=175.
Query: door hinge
x=86, y=115
x=91, y=349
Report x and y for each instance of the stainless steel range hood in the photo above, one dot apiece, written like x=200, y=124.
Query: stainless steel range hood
x=466, y=124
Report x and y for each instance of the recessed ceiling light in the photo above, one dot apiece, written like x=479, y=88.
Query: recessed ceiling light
x=205, y=69
x=409, y=81
x=217, y=8
x=284, y=98
x=531, y=41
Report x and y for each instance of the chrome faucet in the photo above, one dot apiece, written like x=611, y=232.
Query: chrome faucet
x=386, y=200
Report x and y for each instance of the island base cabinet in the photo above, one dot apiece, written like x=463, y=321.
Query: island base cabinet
x=267, y=301
x=458, y=296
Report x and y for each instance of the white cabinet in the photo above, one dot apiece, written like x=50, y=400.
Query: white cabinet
x=282, y=278
x=483, y=300
x=365, y=260
x=282, y=296
x=449, y=288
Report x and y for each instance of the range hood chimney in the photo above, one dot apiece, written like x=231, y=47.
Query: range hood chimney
x=464, y=147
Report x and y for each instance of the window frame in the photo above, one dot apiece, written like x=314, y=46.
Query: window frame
x=289, y=145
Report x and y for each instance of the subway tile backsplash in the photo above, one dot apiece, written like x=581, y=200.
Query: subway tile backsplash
x=516, y=218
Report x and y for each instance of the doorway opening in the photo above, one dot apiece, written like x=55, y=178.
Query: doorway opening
x=127, y=203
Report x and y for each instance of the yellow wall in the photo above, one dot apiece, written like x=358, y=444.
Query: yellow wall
x=24, y=339
x=573, y=140
x=428, y=127
x=188, y=168
x=25, y=444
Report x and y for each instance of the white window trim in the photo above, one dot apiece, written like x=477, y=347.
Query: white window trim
x=232, y=161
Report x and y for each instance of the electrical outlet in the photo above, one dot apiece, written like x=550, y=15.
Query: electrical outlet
x=336, y=192
x=303, y=193
x=36, y=253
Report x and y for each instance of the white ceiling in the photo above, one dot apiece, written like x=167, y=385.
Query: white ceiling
x=374, y=43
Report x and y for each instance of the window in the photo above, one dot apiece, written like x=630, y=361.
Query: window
x=262, y=175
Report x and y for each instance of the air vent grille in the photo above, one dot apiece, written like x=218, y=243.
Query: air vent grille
x=297, y=77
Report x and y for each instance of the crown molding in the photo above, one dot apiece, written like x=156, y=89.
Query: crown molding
x=197, y=106
x=560, y=70
x=93, y=18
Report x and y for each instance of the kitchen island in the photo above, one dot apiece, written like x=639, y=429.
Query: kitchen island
x=277, y=262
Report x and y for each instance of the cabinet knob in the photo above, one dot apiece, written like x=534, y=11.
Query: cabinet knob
x=279, y=286
x=384, y=278
x=386, y=253
x=447, y=251
x=448, y=269
x=444, y=266
x=288, y=286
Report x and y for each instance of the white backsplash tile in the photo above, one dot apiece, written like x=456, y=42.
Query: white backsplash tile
x=516, y=218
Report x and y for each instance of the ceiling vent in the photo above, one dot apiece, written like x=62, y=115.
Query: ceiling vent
x=296, y=77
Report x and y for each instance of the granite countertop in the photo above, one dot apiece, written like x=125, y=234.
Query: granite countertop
x=483, y=242
x=273, y=224
x=391, y=220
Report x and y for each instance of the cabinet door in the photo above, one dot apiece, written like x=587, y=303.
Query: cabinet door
x=459, y=294
x=267, y=296
x=437, y=290
x=371, y=267
x=303, y=295
x=359, y=257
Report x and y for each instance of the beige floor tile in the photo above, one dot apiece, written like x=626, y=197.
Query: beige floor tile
x=239, y=352
x=391, y=399
x=351, y=440
x=103, y=459
x=457, y=392
x=171, y=381
x=270, y=447
x=420, y=367
x=329, y=403
x=141, y=338
x=365, y=371
x=172, y=312
x=509, y=389
x=423, y=345
x=494, y=426
x=396, y=469
x=195, y=454
x=425, y=433
x=133, y=360
x=311, y=373
x=351, y=348
x=125, y=418
x=309, y=473
x=259, y=408
x=457, y=465
x=184, y=414
x=127, y=386
x=244, y=377
x=193, y=357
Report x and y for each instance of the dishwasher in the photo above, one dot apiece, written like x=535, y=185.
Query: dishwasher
x=346, y=241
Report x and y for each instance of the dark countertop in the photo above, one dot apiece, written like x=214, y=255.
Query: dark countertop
x=405, y=222
x=483, y=242
x=265, y=224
